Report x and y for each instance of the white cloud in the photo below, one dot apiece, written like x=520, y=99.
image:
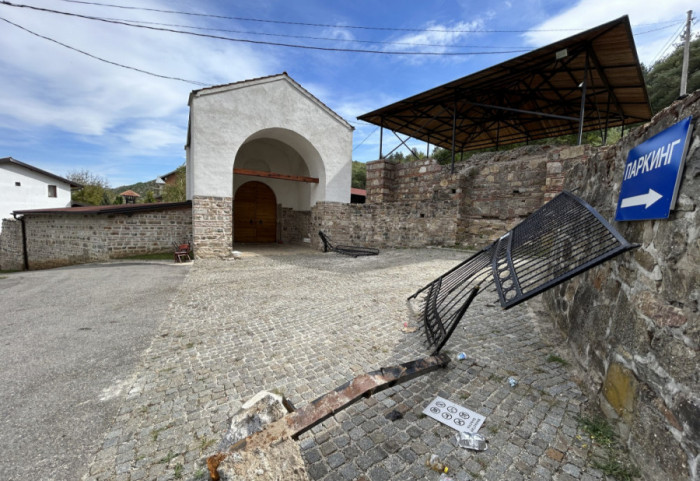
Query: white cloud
x=439, y=37
x=47, y=85
x=587, y=14
x=152, y=136
x=338, y=33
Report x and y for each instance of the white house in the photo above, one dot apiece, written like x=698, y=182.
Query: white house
x=261, y=153
x=24, y=187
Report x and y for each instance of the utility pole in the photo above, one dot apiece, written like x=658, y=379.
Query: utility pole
x=686, y=54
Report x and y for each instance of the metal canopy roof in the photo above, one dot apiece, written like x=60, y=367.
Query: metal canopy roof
x=589, y=81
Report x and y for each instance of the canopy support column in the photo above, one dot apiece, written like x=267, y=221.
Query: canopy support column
x=454, y=132
x=381, y=137
x=583, y=100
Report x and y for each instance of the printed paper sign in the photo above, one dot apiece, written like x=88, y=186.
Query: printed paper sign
x=453, y=415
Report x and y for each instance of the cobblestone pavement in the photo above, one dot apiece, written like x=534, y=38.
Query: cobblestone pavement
x=306, y=322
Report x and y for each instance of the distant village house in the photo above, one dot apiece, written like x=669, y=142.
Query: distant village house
x=23, y=187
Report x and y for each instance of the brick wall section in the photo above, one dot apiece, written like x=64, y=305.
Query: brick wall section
x=295, y=226
x=11, y=257
x=212, y=226
x=634, y=323
x=57, y=239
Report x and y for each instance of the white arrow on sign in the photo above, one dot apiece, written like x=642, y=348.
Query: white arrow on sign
x=645, y=199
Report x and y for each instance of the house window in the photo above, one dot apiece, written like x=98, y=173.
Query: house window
x=18, y=184
x=52, y=191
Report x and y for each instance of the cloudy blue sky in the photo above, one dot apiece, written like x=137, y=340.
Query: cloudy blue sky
x=62, y=109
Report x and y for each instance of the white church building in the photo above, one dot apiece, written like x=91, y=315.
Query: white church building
x=260, y=154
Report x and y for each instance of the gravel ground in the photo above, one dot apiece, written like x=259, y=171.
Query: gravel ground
x=302, y=323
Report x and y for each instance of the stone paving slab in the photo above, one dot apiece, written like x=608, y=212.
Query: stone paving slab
x=304, y=323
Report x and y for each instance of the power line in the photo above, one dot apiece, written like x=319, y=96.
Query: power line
x=371, y=42
x=365, y=139
x=102, y=59
x=377, y=42
x=656, y=29
x=668, y=43
x=256, y=42
x=304, y=24
x=323, y=25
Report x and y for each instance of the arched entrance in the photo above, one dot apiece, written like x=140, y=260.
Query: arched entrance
x=254, y=213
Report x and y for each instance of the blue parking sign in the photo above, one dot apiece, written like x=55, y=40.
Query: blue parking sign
x=653, y=174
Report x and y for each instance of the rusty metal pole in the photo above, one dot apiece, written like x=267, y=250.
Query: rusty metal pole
x=296, y=423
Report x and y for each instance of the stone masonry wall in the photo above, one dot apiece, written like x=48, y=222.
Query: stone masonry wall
x=380, y=181
x=422, y=203
x=58, y=239
x=11, y=257
x=295, y=226
x=633, y=323
x=389, y=181
x=396, y=224
x=502, y=189
x=212, y=226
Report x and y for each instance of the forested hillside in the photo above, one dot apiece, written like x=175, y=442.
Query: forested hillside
x=663, y=79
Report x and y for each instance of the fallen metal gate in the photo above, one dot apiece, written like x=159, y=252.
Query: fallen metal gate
x=562, y=239
x=354, y=251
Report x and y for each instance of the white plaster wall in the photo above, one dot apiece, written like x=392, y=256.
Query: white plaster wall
x=223, y=119
x=189, y=173
x=271, y=155
x=33, y=192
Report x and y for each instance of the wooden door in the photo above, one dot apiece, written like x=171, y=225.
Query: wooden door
x=254, y=213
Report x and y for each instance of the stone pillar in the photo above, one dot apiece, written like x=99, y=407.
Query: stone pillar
x=381, y=175
x=558, y=164
x=212, y=226
x=11, y=252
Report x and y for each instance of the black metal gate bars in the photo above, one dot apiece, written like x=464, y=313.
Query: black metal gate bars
x=562, y=239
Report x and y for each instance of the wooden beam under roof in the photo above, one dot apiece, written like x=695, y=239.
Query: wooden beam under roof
x=273, y=175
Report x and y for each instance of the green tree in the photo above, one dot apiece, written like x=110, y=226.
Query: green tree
x=176, y=192
x=443, y=156
x=118, y=200
x=663, y=78
x=149, y=198
x=94, y=187
x=400, y=157
x=106, y=198
x=359, y=175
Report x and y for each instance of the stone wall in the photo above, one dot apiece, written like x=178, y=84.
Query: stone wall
x=423, y=203
x=11, y=257
x=212, y=226
x=389, y=181
x=295, y=226
x=396, y=224
x=59, y=239
x=633, y=323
